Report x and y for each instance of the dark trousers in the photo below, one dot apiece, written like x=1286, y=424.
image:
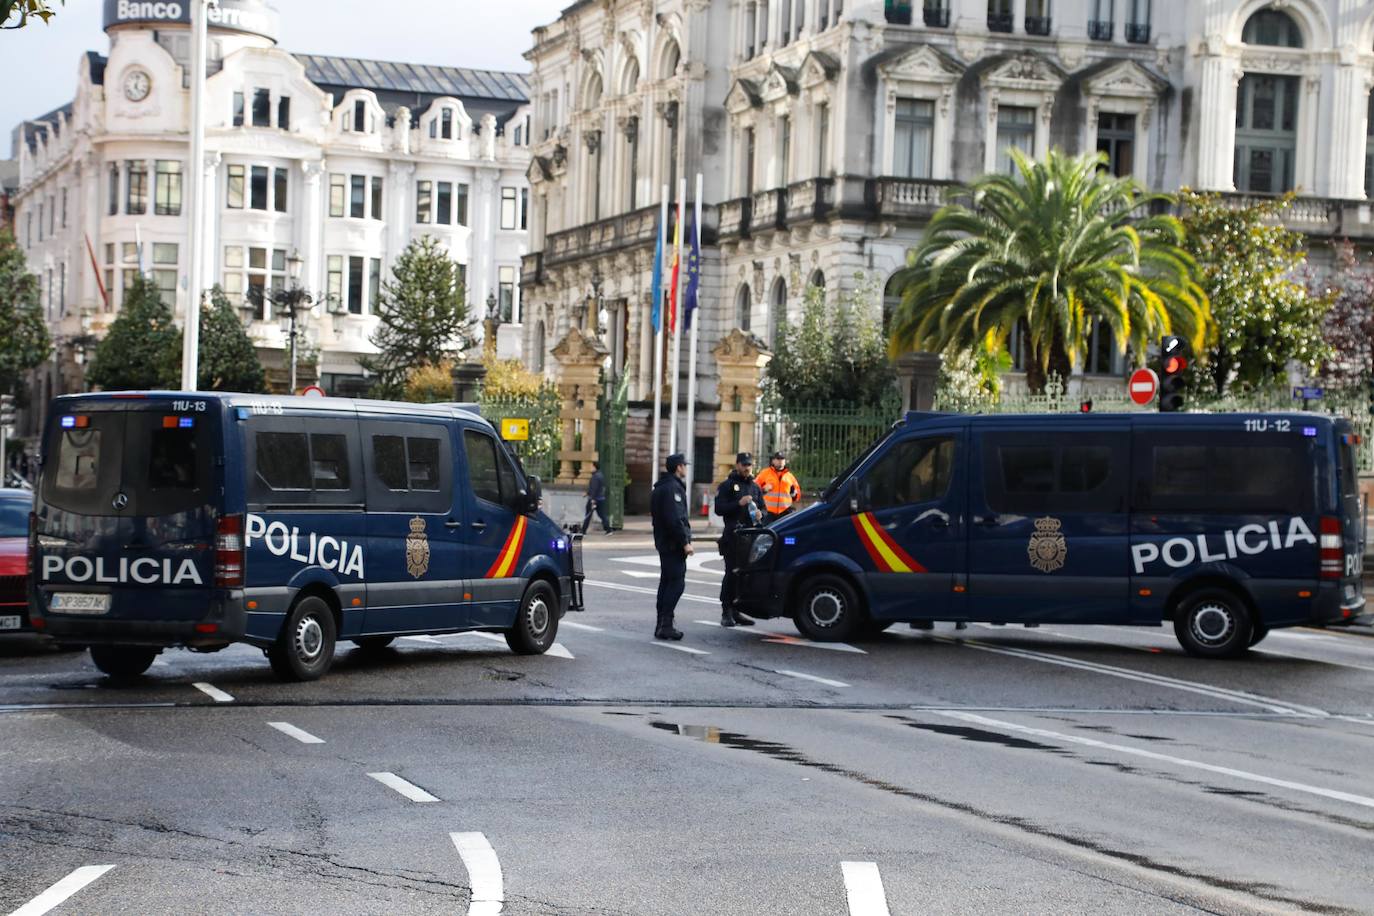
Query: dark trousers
x=672, y=581
x=599, y=507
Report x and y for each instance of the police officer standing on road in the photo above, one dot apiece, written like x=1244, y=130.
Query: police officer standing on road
x=739, y=501
x=673, y=540
x=781, y=491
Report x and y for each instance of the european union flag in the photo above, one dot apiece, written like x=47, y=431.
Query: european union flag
x=693, y=276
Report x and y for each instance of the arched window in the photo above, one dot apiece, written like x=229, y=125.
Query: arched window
x=892, y=297
x=537, y=345
x=630, y=81
x=777, y=310
x=743, y=302
x=817, y=279
x=1273, y=28
x=672, y=57
x=592, y=97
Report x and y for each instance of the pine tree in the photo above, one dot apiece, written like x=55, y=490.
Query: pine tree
x=142, y=348
x=25, y=342
x=228, y=360
x=423, y=318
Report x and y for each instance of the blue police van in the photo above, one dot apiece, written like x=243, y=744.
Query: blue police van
x=200, y=520
x=1225, y=525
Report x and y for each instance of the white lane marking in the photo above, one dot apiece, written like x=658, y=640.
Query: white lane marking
x=484, y=873
x=636, y=574
x=672, y=645
x=1159, y=680
x=1334, y=794
x=213, y=692
x=695, y=563
x=59, y=892
x=785, y=640
x=557, y=650
x=640, y=590
x=428, y=639
x=408, y=789
x=709, y=623
x=863, y=885
x=582, y=626
x=300, y=734
x=811, y=677
x=1309, y=658
x=493, y=637
x=1289, y=634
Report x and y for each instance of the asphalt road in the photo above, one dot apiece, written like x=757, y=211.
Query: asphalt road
x=994, y=769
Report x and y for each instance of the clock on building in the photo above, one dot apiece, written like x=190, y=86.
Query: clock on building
x=137, y=85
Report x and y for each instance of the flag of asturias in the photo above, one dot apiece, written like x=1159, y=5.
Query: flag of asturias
x=656, y=285
x=689, y=299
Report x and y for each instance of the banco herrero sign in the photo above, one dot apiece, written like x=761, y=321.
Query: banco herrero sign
x=253, y=16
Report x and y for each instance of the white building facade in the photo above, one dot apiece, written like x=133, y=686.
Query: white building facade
x=829, y=130
x=336, y=161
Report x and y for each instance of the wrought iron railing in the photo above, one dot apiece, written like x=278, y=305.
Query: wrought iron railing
x=1100, y=29
x=821, y=439
x=936, y=17
x=539, y=453
x=1000, y=22
x=1037, y=25
x=1138, y=33
x=897, y=12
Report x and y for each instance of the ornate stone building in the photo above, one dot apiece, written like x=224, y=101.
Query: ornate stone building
x=828, y=131
x=338, y=161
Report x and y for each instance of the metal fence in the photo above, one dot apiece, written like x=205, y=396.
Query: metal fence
x=821, y=439
x=539, y=453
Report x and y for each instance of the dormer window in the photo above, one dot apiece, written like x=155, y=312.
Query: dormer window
x=446, y=123
x=360, y=116
x=262, y=108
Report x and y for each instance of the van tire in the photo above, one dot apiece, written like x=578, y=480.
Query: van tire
x=536, y=625
x=304, y=649
x=373, y=643
x=1259, y=633
x=1214, y=623
x=123, y=661
x=828, y=609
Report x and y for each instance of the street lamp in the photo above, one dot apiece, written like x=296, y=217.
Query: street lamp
x=490, y=325
x=287, y=303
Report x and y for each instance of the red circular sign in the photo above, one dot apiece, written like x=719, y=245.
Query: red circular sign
x=312, y=391
x=1143, y=386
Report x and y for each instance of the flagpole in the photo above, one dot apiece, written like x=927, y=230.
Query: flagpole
x=658, y=340
x=691, y=432
x=673, y=312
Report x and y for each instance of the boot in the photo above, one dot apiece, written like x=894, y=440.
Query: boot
x=741, y=620
x=727, y=619
x=667, y=633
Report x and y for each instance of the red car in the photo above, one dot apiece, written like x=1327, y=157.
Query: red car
x=15, y=506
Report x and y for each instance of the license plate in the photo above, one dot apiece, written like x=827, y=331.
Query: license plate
x=9, y=622
x=80, y=602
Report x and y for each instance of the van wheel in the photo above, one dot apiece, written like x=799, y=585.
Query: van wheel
x=536, y=626
x=828, y=609
x=1213, y=623
x=123, y=661
x=373, y=643
x=304, y=649
x=1259, y=633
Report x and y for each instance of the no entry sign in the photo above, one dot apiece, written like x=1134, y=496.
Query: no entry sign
x=1143, y=386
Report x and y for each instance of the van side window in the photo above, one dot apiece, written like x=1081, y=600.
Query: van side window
x=172, y=460
x=482, y=474
x=410, y=466
x=329, y=461
x=1022, y=475
x=1220, y=472
x=389, y=460
x=915, y=471
x=423, y=462
x=283, y=461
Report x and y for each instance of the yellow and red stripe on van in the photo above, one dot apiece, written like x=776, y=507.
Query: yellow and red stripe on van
x=885, y=553
x=510, y=552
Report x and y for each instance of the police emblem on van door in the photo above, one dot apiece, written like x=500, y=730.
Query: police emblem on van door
x=1047, y=548
x=417, y=548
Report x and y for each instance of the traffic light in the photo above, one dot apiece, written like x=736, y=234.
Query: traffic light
x=1086, y=406
x=6, y=410
x=1173, y=369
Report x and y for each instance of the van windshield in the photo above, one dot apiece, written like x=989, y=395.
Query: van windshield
x=160, y=462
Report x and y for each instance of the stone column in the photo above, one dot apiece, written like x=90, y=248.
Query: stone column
x=87, y=289
x=1217, y=119
x=1349, y=108
x=579, y=357
x=209, y=229
x=740, y=359
x=400, y=187
x=918, y=375
x=310, y=218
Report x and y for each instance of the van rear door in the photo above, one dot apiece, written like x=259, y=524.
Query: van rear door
x=129, y=505
x=1354, y=525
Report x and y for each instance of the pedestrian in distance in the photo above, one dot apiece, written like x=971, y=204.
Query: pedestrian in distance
x=672, y=540
x=740, y=502
x=596, y=500
x=781, y=491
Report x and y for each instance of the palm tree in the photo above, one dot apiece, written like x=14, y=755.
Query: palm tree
x=1054, y=249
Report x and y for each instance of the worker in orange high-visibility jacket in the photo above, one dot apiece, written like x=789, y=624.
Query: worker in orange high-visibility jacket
x=779, y=485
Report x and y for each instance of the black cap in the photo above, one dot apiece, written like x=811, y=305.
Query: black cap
x=779, y=455
x=744, y=458
x=675, y=461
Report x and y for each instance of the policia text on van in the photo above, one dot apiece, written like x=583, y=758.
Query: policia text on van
x=1227, y=525
x=201, y=520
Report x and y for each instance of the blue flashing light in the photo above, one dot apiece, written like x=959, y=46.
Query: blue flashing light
x=69, y=422
x=789, y=542
x=560, y=544
x=186, y=422
x=1309, y=431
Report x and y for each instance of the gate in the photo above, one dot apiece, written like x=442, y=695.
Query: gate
x=613, y=407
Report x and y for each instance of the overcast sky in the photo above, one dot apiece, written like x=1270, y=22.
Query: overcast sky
x=38, y=64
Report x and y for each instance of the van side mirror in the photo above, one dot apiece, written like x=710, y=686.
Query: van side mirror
x=533, y=495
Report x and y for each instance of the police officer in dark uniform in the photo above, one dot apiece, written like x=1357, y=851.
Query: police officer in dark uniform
x=673, y=540
x=740, y=502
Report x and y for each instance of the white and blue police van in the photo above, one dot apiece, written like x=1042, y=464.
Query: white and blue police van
x=1223, y=525
x=201, y=520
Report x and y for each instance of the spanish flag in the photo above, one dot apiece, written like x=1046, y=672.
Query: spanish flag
x=504, y=566
x=885, y=553
x=672, y=284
